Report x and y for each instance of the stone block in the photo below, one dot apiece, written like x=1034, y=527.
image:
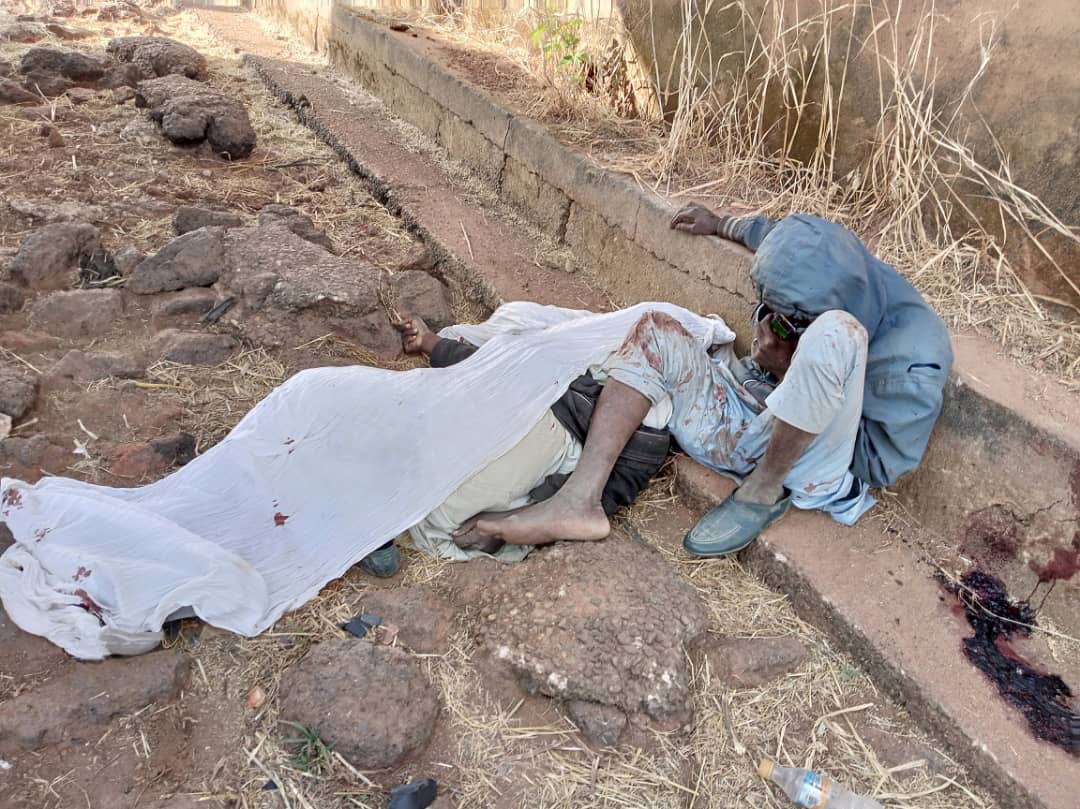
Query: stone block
x=635, y=274
x=721, y=263
x=470, y=104
x=542, y=202
x=532, y=145
x=612, y=195
x=465, y=143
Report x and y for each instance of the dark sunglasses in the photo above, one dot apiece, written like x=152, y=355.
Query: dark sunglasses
x=779, y=324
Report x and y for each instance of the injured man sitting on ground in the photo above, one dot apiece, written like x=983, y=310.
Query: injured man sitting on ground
x=557, y=419
x=839, y=393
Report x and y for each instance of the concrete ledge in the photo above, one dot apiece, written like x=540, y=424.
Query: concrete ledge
x=878, y=601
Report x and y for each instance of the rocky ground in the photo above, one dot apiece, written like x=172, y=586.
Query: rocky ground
x=172, y=245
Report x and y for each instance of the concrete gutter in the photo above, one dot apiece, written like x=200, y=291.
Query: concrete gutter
x=1007, y=444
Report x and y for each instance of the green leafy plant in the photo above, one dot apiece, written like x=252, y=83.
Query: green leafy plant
x=560, y=43
x=312, y=754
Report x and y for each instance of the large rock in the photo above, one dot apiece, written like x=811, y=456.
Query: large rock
x=373, y=703
x=24, y=458
x=189, y=112
x=18, y=393
x=78, y=313
x=188, y=218
x=148, y=459
x=422, y=295
x=12, y=93
x=195, y=259
x=68, y=32
x=25, y=655
x=194, y=348
x=153, y=93
x=11, y=298
x=276, y=272
x=22, y=31
x=604, y=622
x=74, y=65
x=49, y=85
x=48, y=258
x=158, y=56
x=192, y=303
x=82, y=366
x=48, y=211
x=751, y=662
x=222, y=122
x=81, y=702
x=299, y=223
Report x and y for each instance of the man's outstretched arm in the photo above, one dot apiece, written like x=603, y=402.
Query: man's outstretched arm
x=749, y=231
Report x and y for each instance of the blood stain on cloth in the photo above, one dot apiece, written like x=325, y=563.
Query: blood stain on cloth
x=280, y=519
x=12, y=499
x=88, y=603
x=81, y=574
x=1042, y=698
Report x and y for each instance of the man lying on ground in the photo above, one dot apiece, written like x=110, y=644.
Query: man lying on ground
x=530, y=472
x=840, y=393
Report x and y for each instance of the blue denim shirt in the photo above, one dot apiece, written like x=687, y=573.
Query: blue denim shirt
x=804, y=266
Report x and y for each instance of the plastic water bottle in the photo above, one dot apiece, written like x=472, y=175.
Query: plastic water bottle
x=813, y=790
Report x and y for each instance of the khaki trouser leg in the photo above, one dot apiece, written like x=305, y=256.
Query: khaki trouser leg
x=502, y=485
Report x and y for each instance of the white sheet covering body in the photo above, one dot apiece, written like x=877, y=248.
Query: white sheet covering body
x=328, y=467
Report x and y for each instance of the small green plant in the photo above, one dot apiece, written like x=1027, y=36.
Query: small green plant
x=312, y=754
x=560, y=43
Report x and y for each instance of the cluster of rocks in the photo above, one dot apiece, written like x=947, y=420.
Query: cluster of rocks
x=164, y=76
x=606, y=628
x=267, y=279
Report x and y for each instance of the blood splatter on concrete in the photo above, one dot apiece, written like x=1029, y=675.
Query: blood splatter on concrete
x=1042, y=698
x=1063, y=565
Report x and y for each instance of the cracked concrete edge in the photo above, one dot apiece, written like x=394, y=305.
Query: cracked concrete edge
x=382, y=190
x=701, y=490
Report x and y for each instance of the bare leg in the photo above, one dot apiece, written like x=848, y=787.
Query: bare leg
x=765, y=485
x=575, y=511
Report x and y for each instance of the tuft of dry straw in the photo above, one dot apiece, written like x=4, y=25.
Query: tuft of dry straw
x=216, y=398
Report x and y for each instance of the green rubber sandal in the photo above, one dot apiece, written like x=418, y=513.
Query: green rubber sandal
x=731, y=526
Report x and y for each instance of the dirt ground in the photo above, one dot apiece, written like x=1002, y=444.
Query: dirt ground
x=197, y=723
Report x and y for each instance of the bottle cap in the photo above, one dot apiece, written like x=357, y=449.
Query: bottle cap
x=765, y=769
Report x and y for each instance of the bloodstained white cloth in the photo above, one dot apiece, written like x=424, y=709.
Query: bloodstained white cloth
x=331, y=465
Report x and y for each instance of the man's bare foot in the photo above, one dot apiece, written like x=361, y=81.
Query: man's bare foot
x=559, y=518
x=469, y=539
